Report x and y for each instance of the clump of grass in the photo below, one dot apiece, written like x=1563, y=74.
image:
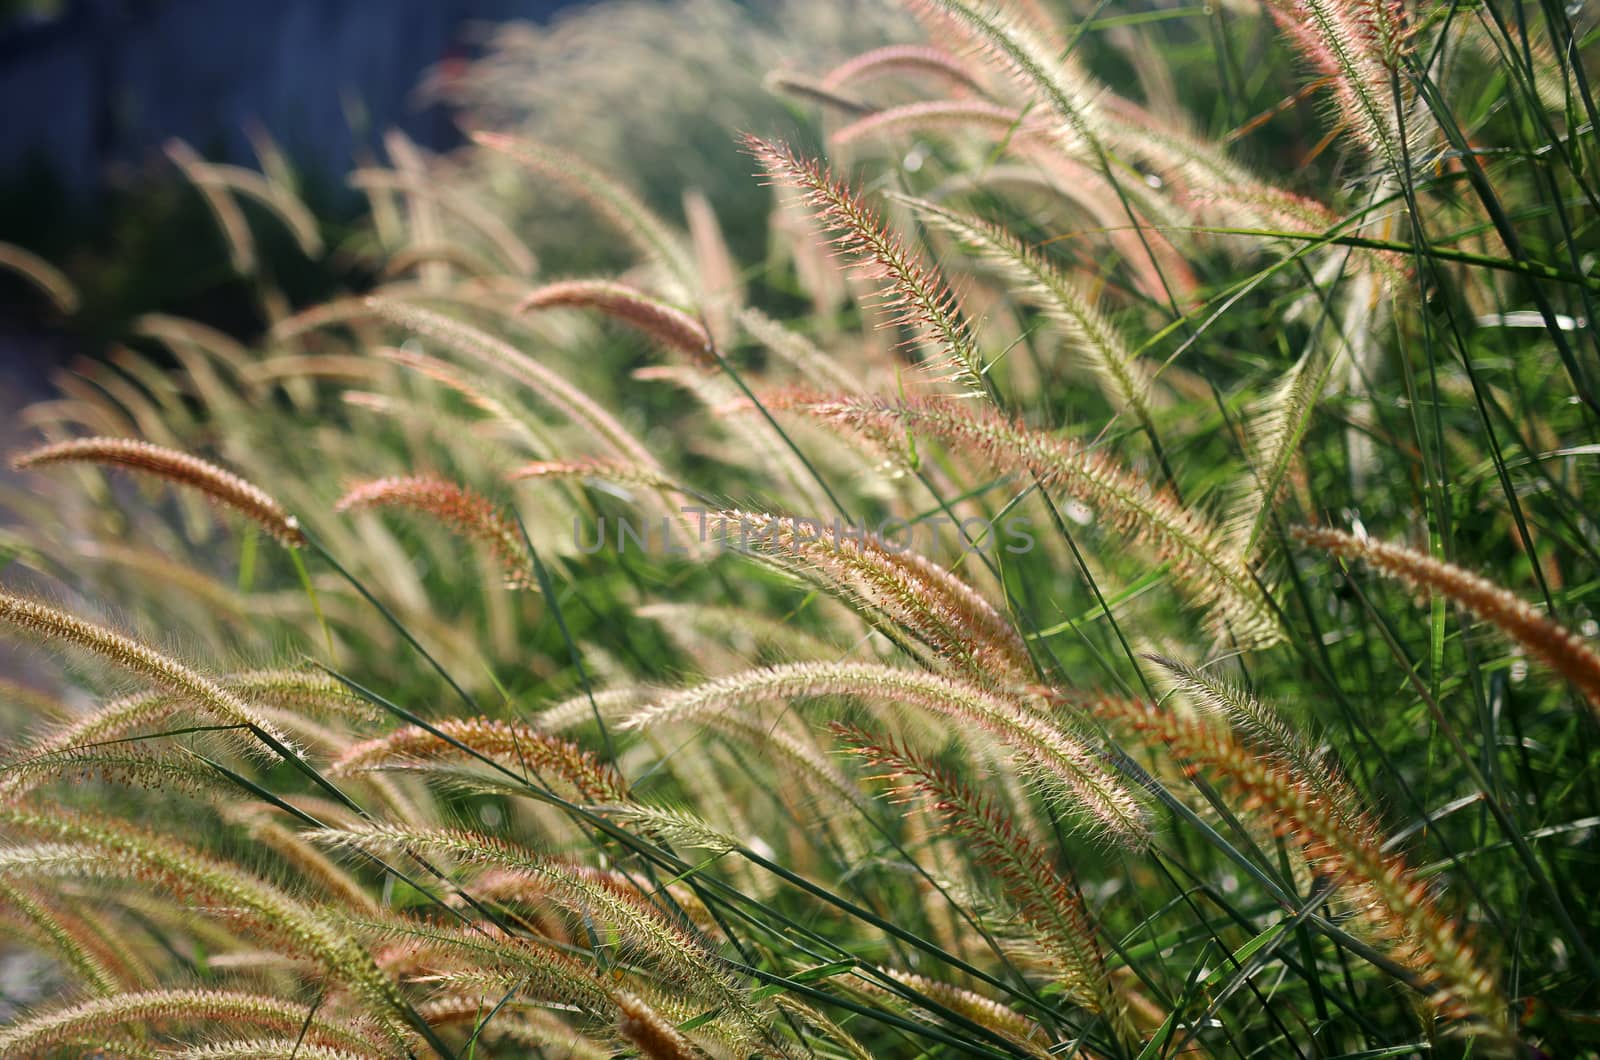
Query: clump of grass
x=929, y=656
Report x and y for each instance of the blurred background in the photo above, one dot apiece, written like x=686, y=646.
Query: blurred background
x=91, y=87
x=101, y=100
x=92, y=90
x=117, y=113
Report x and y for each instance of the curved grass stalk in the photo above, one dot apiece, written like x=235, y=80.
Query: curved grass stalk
x=515, y=745
x=1564, y=651
x=573, y=712
x=87, y=1022
x=43, y=275
x=495, y=961
x=1051, y=904
x=982, y=1010
x=917, y=299
x=666, y=324
x=75, y=953
x=1274, y=435
x=1356, y=44
x=424, y=257
x=799, y=758
x=678, y=827
x=491, y=352
x=221, y=487
x=1386, y=891
x=1127, y=382
x=291, y=368
x=307, y=863
x=446, y=375
x=83, y=846
x=814, y=1017
x=88, y=742
x=1200, y=563
x=584, y=893
x=522, y=1023
x=799, y=352
x=131, y=767
x=603, y=470
x=719, y=285
x=893, y=60
x=959, y=627
x=512, y=250
x=1139, y=232
x=465, y=512
x=741, y=630
x=935, y=115
x=1063, y=766
x=647, y=1030
x=235, y=229
x=422, y=211
x=758, y=441
x=292, y=1047
x=1266, y=730
x=1036, y=66
x=127, y=653
x=278, y=200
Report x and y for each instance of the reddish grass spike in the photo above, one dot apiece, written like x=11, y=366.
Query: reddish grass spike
x=651, y=1033
x=221, y=487
x=1341, y=843
x=914, y=118
x=1179, y=535
x=917, y=298
x=1558, y=647
x=1050, y=903
x=465, y=512
x=1356, y=44
x=668, y=325
x=604, y=470
x=896, y=59
x=517, y=745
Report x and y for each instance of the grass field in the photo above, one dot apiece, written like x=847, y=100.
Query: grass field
x=1073, y=536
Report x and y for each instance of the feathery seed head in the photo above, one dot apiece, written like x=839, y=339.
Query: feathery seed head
x=956, y=623
x=894, y=60
x=1050, y=902
x=917, y=298
x=464, y=511
x=1564, y=651
x=58, y=626
x=514, y=745
x=1059, y=762
x=1180, y=535
x=219, y=486
x=1340, y=841
x=603, y=470
x=668, y=325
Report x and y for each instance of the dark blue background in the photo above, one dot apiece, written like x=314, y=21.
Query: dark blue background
x=107, y=81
